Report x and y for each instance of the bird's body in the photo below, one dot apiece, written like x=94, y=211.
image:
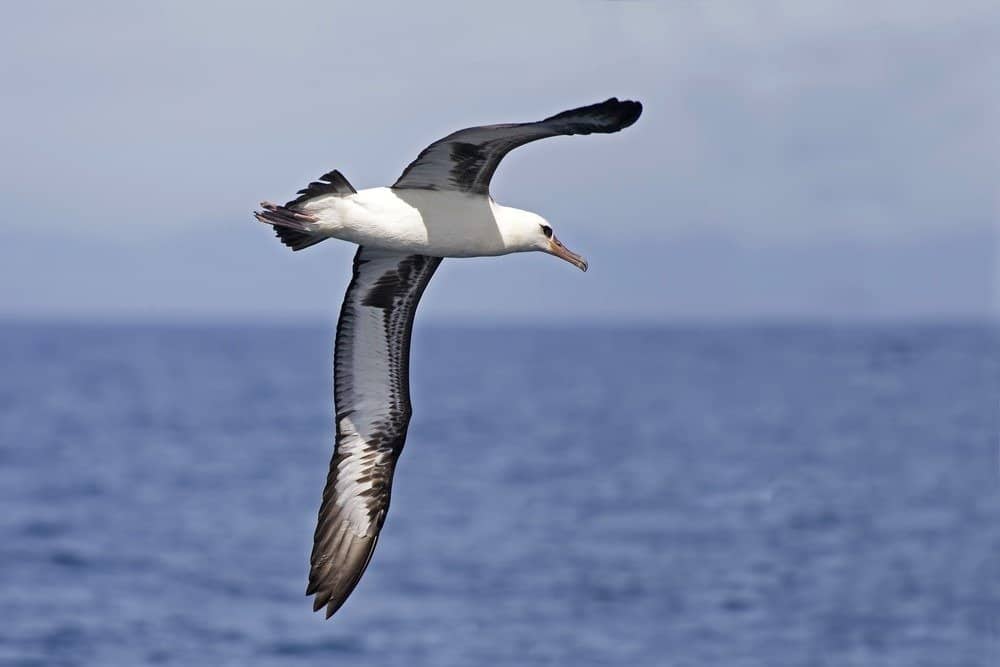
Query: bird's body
x=439, y=207
x=439, y=223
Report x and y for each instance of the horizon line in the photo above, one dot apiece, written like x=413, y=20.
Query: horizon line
x=683, y=321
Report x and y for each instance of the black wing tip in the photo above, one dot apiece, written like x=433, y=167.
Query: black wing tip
x=630, y=111
x=611, y=115
x=623, y=113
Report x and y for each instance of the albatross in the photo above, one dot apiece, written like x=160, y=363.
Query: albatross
x=439, y=207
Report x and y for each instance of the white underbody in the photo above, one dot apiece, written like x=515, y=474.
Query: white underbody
x=427, y=222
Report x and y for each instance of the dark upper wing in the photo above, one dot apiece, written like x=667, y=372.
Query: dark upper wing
x=371, y=387
x=465, y=160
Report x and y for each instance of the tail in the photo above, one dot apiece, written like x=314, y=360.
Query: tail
x=290, y=226
x=291, y=222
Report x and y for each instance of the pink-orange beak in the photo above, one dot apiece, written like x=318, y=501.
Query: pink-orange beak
x=559, y=250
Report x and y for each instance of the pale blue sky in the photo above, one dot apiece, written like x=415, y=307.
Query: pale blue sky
x=795, y=160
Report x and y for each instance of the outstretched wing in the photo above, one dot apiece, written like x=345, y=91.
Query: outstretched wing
x=465, y=160
x=372, y=395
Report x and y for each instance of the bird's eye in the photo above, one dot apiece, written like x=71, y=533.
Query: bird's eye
x=547, y=231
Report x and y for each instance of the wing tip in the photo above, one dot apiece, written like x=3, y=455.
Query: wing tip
x=333, y=583
x=326, y=598
x=632, y=109
x=624, y=112
x=611, y=115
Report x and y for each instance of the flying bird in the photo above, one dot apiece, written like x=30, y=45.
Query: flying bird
x=439, y=207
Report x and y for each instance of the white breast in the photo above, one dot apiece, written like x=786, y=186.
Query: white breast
x=428, y=222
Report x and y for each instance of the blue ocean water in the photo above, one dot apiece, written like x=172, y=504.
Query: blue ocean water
x=750, y=497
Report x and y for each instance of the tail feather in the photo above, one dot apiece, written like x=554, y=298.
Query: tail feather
x=284, y=216
x=297, y=240
x=292, y=224
x=330, y=183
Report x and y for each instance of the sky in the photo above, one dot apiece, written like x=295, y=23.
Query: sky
x=795, y=161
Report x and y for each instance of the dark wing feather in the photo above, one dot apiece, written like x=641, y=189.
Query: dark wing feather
x=466, y=160
x=372, y=395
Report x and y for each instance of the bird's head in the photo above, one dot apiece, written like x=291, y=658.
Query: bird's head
x=524, y=231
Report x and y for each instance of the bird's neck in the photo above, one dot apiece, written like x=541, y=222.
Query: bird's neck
x=518, y=228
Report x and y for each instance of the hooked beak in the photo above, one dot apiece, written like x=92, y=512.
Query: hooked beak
x=559, y=250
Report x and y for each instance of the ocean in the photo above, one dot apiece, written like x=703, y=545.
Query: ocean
x=747, y=496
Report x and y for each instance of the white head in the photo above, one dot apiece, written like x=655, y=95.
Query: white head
x=524, y=231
